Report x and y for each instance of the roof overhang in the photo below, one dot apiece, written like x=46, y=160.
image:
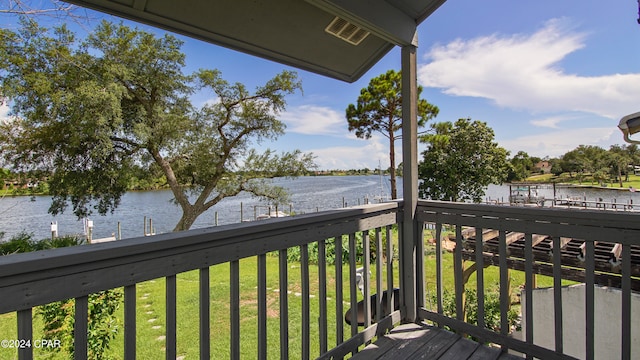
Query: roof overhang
x=292, y=32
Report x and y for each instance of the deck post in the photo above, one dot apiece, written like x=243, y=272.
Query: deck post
x=409, y=180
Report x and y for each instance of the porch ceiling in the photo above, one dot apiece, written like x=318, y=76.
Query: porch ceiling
x=291, y=32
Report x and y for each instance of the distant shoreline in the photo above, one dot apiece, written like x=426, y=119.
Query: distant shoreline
x=578, y=186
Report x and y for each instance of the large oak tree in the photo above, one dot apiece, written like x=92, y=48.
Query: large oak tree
x=90, y=111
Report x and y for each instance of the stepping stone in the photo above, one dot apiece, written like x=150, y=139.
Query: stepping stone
x=161, y=338
x=149, y=312
x=297, y=294
x=147, y=305
x=156, y=327
x=151, y=320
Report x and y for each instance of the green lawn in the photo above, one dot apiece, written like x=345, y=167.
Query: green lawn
x=151, y=309
x=151, y=314
x=540, y=178
x=587, y=180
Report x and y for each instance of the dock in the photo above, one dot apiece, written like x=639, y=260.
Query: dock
x=527, y=194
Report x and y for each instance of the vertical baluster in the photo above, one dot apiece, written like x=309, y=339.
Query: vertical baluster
x=626, y=302
x=505, y=290
x=366, y=246
x=262, y=306
x=306, y=306
x=234, y=301
x=439, y=288
x=205, y=314
x=420, y=290
x=130, y=322
x=401, y=267
x=480, y=276
x=25, y=332
x=284, y=305
x=528, y=274
x=80, y=328
x=339, y=292
x=390, y=292
x=322, y=289
x=170, y=345
x=589, y=299
x=379, y=289
x=557, y=294
x=457, y=274
x=352, y=285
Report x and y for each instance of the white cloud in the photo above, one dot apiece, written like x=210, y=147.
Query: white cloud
x=212, y=101
x=368, y=155
x=315, y=120
x=4, y=112
x=551, y=122
x=557, y=143
x=522, y=72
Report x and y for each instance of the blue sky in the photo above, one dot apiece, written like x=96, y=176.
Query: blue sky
x=546, y=75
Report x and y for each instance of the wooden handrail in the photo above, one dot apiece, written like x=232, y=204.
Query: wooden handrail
x=31, y=279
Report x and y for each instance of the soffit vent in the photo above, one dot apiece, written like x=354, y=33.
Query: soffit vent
x=346, y=31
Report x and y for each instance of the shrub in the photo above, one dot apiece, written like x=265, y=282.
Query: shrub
x=293, y=254
x=58, y=317
x=491, y=308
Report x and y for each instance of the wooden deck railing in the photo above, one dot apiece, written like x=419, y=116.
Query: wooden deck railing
x=531, y=226
x=33, y=279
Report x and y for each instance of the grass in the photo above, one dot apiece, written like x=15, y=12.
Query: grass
x=151, y=319
x=540, y=178
x=586, y=180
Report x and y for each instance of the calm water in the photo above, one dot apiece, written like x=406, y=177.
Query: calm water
x=308, y=194
x=623, y=196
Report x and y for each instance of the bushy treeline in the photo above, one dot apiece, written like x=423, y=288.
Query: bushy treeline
x=35, y=183
x=585, y=162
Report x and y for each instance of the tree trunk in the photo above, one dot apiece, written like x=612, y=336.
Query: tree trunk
x=620, y=176
x=187, y=219
x=189, y=212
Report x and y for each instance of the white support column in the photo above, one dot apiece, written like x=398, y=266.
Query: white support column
x=409, y=180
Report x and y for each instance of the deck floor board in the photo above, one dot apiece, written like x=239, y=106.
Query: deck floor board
x=398, y=343
x=421, y=341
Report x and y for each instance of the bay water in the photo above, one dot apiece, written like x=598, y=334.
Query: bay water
x=308, y=194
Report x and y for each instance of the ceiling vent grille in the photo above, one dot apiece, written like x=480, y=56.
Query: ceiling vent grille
x=346, y=31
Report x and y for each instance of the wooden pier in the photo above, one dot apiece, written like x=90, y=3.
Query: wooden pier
x=577, y=203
